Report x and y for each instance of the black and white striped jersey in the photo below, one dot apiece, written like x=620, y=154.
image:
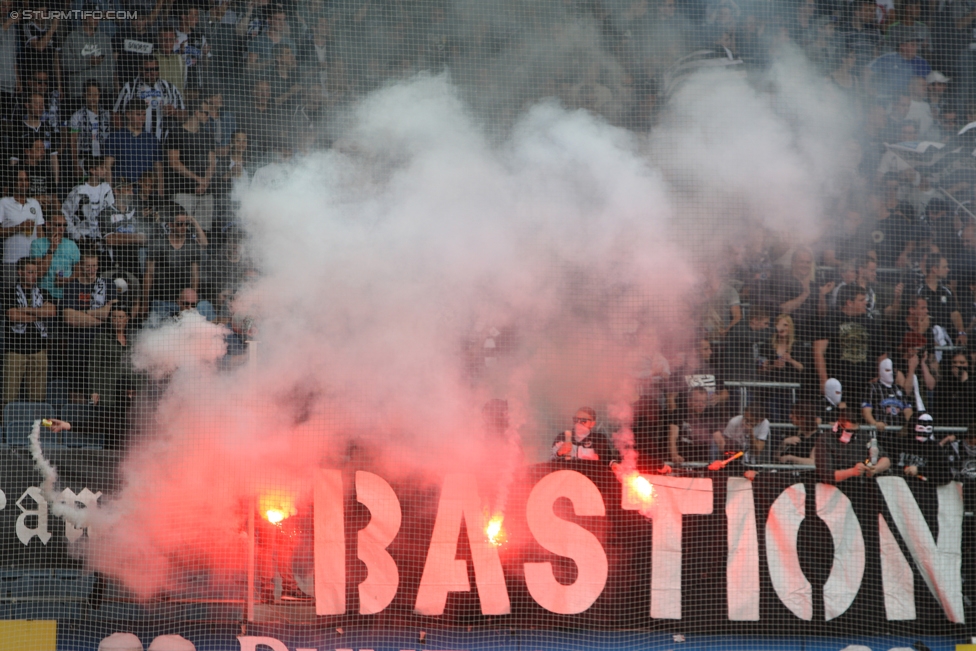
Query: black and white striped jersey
x=155, y=97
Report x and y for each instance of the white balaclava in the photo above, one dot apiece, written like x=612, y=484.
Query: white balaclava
x=833, y=391
x=886, y=372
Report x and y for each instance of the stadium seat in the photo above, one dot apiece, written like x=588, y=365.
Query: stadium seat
x=19, y=417
x=78, y=436
x=57, y=392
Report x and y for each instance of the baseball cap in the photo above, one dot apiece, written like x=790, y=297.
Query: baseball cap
x=936, y=77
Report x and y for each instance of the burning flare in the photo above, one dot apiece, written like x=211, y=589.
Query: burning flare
x=275, y=506
x=494, y=531
x=641, y=490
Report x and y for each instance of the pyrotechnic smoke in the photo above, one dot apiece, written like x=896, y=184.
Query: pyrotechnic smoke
x=59, y=507
x=387, y=259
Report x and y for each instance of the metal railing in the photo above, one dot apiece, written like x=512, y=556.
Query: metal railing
x=744, y=385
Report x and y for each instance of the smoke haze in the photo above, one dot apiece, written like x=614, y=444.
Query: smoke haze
x=389, y=261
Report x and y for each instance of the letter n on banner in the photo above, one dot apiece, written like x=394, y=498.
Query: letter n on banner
x=939, y=563
x=674, y=497
x=443, y=573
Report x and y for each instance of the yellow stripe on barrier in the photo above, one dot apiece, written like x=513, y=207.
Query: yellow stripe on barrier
x=28, y=635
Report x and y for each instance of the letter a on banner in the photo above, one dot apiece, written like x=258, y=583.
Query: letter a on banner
x=566, y=539
x=330, y=545
x=443, y=573
x=25, y=533
x=382, y=578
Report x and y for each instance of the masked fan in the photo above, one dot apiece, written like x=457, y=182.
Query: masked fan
x=920, y=454
x=831, y=403
x=886, y=404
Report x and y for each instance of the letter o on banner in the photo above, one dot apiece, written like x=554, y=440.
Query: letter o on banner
x=847, y=565
x=566, y=539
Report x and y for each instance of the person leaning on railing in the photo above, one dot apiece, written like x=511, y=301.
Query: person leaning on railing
x=844, y=452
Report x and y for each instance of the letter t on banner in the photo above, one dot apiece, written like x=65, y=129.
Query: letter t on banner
x=676, y=497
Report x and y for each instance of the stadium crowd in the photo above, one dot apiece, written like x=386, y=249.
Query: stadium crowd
x=127, y=140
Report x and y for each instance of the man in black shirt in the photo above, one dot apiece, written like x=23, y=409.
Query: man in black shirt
x=793, y=293
x=26, y=306
x=173, y=265
x=192, y=163
x=848, y=346
x=942, y=304
x=695, y=433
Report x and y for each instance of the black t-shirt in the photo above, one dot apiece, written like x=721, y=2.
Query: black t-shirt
x=853, y=348
x=24, y=338
x=743, y=356
x=194, y=151
x=931, y=459
x=172, y=272
x=955, y=401
x=886, y=403
x=890, y=236
x=786, y=288
x=832, y=454
x=41, y=178
x=803, y=449
x=26, y=135
x=941, y=304
x=695, y=428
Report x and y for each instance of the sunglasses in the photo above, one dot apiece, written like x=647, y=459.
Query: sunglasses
x=577, y=419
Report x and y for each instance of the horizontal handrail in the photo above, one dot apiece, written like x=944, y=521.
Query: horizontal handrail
x=749, y=384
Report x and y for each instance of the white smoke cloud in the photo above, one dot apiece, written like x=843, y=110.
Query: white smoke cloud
x=386, y=259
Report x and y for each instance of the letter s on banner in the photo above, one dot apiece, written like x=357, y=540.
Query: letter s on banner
x=566, y=539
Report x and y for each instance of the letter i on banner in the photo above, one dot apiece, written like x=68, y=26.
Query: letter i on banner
x=443, y=573
x=742, y=568
x=566, y=539
x=330, y=545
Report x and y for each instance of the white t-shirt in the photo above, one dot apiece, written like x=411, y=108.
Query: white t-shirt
x=13, y=213
x=735, y=431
